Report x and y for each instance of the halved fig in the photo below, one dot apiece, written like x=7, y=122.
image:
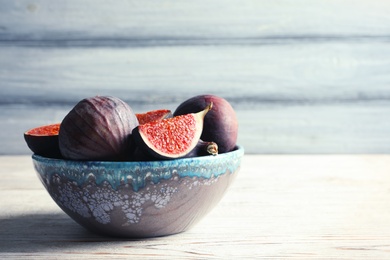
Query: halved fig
x=43, y=140
x=172, y=137
x=153, y=115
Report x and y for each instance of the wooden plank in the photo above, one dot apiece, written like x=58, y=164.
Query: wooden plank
x=289, y=98
x=219, y=18
x=297, y=73
x=290, y=207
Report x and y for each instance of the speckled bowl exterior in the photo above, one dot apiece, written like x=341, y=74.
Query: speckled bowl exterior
x=138, y=199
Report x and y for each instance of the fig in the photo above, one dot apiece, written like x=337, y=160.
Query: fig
x=172, y=137
x=153, y=115
x=220, y=124
x=140, y=155
x=98, y=128
x=43, y=140
x=203, y=148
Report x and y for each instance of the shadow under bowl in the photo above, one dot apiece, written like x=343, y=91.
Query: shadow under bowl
x=138, y=199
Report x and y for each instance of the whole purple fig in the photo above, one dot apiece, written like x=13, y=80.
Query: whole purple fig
x=220, y=123
x=97, y=128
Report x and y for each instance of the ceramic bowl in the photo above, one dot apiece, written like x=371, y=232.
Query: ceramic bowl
x=138, y=199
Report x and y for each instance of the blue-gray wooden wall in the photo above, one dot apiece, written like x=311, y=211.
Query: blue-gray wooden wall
x=304, y=76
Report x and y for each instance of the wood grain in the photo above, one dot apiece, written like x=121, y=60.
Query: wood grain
x=42, y=19
x=296, y=72
x=279, y=207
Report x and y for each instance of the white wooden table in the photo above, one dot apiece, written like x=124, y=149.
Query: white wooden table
x=280, y=207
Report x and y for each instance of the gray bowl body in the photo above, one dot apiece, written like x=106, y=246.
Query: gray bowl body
x=138, y=199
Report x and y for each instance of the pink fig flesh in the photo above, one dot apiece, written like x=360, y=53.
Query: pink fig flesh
x=172, y=137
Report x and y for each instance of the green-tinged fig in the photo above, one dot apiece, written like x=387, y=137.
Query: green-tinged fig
x=220, y=124
x=43, y=140
x=97, y=128
x=172, y=137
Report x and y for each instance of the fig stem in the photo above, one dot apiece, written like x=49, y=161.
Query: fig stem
x=212, y=148
x=207, y=109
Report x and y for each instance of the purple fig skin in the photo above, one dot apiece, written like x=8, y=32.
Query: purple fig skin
x=98, y=128
x=203, y=148
x=45, y=146
x=140, y=156
x=220, y=123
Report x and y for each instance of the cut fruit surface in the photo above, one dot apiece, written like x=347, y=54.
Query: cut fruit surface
x=43, y=140
x=45, y=130
x=172, y=137
x=153, y=115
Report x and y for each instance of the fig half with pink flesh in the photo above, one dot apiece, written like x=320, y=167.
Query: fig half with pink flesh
x=43, y=140
x=172, y=137
x=153, y=115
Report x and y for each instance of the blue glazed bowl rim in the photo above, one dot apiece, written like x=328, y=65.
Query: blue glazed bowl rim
x=238, y=151
x=139, y=171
